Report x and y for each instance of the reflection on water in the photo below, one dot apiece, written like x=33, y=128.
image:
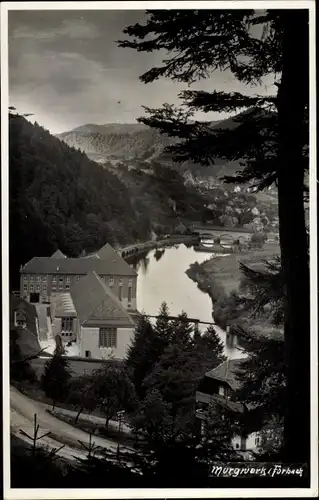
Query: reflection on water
x=163, y=278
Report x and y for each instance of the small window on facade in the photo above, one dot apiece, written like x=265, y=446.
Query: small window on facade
x=221, y=390
x=44, y=287
x=120, y=292
x=236, y=446
x=37, y=287
x=54, y=279
x=25, y=286
x=257, y=440
x=31, y=287
x=129, y=294
x=44, y=278
x=31, y=277
x=20, y=319
x=25, y=278
x=61, y=279
x=67, y=279
x=87, y=354
x=38, y=279
x=78, y=277
x=67, y=286
x=130, y=282
x=111, y=281
x=108, y=337
x=120, y=282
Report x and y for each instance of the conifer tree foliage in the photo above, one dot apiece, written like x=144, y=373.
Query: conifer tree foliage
x=270, y=137
x=166, y=362
x=262, y=372
x=56, y=376
x=145, y=349
x=211, y=348
x=20, y=368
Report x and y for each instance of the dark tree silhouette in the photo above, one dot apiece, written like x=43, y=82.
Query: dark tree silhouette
x=270, y=138
x=55, y=378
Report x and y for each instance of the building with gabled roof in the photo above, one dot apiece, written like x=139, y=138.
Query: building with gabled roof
x=93, y=317
x=58, y=255
x=24, y=320
x=217, y=388
x=42, y=278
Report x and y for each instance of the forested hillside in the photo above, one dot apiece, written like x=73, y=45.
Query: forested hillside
x=60, y=198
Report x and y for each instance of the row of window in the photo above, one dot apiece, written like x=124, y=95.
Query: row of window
x=61, y=279
x=44, y=278
x=38, y=278
x=111, y=282
x=37, y=287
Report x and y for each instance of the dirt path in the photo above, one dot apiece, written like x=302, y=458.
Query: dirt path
x=22, y=417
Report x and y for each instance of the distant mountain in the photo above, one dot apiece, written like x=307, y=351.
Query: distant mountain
x=120, y=141
x=113, y=141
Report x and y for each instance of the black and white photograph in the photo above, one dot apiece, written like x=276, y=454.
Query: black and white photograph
x=159, y=267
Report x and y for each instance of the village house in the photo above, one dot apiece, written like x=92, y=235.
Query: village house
x=24, y=319
x=91, y=301
x=217, y=388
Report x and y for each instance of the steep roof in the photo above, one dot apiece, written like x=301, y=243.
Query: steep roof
x=111, y=255
x=63, y=305
x=94, y=300
x=227, y=372
x=24, y=307
x=27, y=337
x=49, y=265
x=58, y=255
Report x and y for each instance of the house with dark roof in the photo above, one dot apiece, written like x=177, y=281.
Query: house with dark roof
x=43, y=278
x=218, y=388
x=94, y=317
x=24, y=319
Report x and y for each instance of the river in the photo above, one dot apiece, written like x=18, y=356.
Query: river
x=162, y=277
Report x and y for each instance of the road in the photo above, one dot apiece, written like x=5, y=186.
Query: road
x=22, y=417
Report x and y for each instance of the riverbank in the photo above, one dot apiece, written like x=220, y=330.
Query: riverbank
x=140, y=248
x=220, y=276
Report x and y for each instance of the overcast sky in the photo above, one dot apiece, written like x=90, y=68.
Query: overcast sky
x=66, y=68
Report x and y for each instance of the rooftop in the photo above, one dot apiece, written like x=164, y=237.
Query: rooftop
x=21, y=306
x=227, y=372
x=63, y=305
x=94, y=300
x=58, y=255
x=110, y=264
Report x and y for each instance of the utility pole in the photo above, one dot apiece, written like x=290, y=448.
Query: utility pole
x=120, y=415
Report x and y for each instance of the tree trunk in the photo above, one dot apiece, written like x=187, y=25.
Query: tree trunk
x=77, y=416
x=107, y=420
x=292, y=100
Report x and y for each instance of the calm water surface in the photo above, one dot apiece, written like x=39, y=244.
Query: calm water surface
x=162, y=277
